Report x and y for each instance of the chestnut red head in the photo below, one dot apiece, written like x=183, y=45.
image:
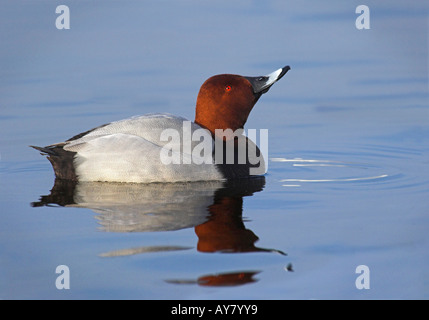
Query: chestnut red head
x=225, y=101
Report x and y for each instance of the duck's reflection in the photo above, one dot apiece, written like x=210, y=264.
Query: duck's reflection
x=224, y=230
x=221, y=280
x=213, y=208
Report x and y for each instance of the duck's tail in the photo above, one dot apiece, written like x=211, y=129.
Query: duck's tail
x=61, y=160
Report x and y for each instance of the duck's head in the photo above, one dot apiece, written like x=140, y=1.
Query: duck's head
x=225, y=100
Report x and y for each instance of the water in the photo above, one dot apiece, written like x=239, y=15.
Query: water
x=348, y=177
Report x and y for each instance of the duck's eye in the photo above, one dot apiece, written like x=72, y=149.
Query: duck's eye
x=228, y=88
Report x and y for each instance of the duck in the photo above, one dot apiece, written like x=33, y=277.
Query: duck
x=161, y=147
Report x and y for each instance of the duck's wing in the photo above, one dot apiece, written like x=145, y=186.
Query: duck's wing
x=123, y=157
x=148, y=127
x=151, y=127
x=131, y=150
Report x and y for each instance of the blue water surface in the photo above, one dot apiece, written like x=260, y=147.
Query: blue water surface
x=348, y=166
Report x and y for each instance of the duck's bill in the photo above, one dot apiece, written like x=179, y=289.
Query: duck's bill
x=262, y=84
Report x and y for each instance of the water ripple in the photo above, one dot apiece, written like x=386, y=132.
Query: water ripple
x=365, y=166
x=336, y=180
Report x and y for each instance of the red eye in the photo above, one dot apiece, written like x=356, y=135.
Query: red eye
x=228, y=88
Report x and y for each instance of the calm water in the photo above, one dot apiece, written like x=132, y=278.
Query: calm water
x=348, y=178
